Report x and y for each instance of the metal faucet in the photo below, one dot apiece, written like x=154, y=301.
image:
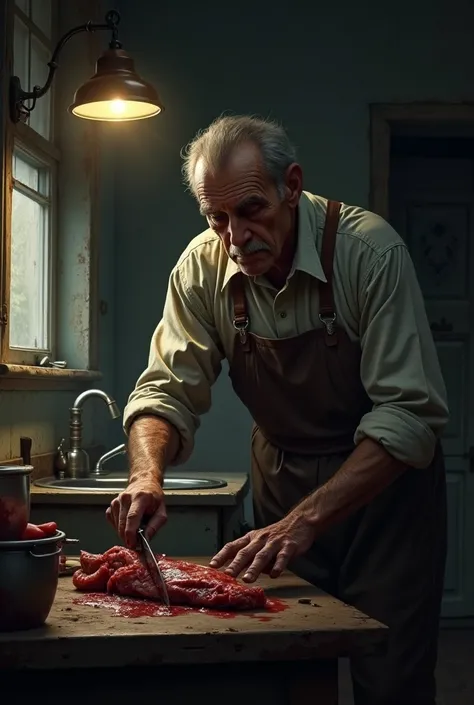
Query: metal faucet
x=77, y=459
x=118, y=450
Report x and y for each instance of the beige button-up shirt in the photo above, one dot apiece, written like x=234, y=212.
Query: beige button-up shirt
x=378, y=301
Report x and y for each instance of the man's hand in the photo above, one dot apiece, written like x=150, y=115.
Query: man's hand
x=152, y=443
x=142, y=498
x=267, y=550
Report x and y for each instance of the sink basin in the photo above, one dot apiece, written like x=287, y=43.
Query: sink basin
x=117, y=484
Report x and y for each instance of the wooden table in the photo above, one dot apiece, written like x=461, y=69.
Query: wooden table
x=287, y=657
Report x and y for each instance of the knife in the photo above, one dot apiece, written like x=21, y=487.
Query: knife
x=154, y=568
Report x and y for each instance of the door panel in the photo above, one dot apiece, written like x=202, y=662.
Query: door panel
x=453, y=356
x=432, y=207
x=455, y=601
x=437, y=235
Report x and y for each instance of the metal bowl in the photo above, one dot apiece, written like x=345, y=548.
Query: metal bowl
x=14, y=501
x=28, y=581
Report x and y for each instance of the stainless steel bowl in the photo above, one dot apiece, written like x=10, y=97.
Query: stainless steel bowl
x=28, y=581
x=14, y=501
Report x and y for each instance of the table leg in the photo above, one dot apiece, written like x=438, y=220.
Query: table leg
x=313, y=683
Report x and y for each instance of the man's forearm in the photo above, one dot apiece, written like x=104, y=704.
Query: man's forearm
x=153, y=443
x=368, y=470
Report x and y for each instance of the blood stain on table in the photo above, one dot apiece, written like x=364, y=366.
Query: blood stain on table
x=136, y=608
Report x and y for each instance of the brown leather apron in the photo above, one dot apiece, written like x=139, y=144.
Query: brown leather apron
x=388, y=559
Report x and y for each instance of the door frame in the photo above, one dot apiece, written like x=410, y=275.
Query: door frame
x=383, y=118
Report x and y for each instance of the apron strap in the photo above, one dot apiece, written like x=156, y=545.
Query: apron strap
x=327, y=309
x=241, y=319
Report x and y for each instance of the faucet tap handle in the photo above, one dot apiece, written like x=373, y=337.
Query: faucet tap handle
x=118, y=450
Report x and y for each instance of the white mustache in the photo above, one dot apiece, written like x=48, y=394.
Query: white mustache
x=251, y=247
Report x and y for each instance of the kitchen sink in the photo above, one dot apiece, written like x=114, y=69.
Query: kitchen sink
x=117, y=484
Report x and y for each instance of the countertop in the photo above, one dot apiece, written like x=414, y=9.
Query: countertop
x=78, y=636
x=234, y=492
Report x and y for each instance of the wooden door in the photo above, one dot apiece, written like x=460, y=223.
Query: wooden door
x=432, y=207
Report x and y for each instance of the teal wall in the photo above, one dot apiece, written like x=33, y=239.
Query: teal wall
x=316, y=67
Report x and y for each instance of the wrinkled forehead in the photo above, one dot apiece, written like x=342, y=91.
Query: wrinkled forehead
x=240, y=178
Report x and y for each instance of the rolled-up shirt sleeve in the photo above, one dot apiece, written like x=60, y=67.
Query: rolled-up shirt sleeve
x=184, y=362
x=399, y=366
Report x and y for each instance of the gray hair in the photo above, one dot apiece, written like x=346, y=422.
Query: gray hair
x=216, y=142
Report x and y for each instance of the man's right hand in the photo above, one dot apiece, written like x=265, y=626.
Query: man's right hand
x=143, y=498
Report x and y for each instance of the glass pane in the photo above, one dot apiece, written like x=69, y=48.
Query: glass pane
x=23, y=5
x=27, y=173
x=30, y=303
x=21, y=52
x=40, y=118
x=41, y=15
x=31, y=174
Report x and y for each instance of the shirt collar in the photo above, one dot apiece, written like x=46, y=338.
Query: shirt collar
x=306, y=257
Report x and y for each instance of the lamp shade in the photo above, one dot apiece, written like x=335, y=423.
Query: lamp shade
x=116, y=93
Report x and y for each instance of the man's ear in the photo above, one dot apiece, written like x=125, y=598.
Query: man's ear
x=293, y=184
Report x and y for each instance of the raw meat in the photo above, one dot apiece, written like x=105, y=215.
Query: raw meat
x=13, y=518
x=124, y=572
x=39, y=531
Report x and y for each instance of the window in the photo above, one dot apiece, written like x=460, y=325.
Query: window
x=32, y=165
x=32, y=49
x=49, y=202
x=30, y=256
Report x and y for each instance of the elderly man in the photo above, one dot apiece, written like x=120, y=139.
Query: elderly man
x=316, y=306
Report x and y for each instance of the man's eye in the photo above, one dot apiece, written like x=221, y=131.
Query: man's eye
x=253, y=210
x=218, y=218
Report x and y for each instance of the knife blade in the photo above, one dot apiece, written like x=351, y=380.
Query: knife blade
x=154, y=568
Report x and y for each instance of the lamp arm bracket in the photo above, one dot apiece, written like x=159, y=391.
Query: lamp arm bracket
x=18, y=96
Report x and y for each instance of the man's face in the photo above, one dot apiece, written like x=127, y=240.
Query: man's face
x=243, y=207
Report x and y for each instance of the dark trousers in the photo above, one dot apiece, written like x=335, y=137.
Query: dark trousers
x=387, y=560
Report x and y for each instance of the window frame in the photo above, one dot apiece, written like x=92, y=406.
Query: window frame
x=25, y=138
x=26, y=356
x=29, y=375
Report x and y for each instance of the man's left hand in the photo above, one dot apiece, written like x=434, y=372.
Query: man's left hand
x=267, y=550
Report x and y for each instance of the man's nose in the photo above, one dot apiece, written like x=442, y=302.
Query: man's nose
x=239, y=234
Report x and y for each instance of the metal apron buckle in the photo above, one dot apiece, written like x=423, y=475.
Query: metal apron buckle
x=328, y=322
x=241, y=326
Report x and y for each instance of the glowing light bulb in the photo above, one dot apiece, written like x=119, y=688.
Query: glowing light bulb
x=118, y=107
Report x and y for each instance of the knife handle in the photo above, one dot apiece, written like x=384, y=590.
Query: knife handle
x=25, y=449
x=142, y=534
x=145, y=521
